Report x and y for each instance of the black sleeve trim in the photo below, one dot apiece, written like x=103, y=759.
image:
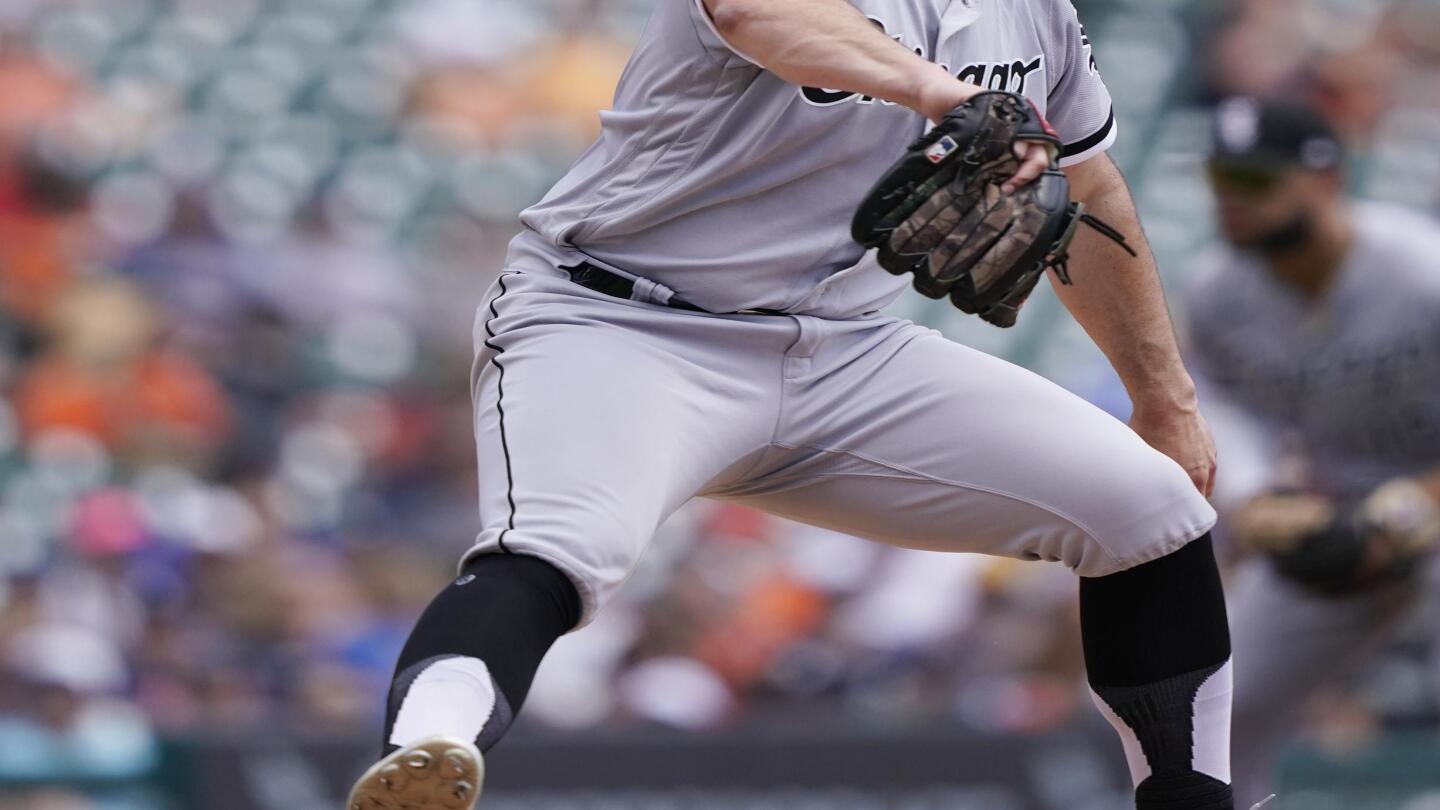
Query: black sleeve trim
x=1080, y=147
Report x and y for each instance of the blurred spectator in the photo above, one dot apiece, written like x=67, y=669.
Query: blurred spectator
x=106, y=373
x=1353, y=61
x=73, y=725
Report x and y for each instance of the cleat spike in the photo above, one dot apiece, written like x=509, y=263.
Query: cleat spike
x=436, y=773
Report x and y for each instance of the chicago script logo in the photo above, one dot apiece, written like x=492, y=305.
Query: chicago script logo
x=1013, y=75
x=1010, y=74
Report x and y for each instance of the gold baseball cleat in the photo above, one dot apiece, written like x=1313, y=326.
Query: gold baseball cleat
x=436, y=773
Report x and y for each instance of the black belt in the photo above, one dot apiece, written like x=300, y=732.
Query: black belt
x=610, y=283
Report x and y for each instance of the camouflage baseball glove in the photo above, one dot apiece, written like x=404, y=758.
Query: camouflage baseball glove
x=940, y=214
x=1336, y=549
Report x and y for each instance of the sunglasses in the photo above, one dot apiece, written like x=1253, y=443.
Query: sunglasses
x=1245, y=179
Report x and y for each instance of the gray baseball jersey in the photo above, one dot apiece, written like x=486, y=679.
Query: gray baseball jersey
x=735, y=189
x=1353, y=382
x=1354, y=379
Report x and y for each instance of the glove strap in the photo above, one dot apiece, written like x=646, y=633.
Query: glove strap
x=1059, y=257
x=1107, y=230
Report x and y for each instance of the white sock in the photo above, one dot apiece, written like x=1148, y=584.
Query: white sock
x=1212, y=724
x=452, y=697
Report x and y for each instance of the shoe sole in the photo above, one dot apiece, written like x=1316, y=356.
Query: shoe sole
x=437, y=773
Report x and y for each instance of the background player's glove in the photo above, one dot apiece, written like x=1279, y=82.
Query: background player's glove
x=1339, y=549
x=940, y=213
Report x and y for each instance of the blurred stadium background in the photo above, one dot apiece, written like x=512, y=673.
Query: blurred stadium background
x=240, y=246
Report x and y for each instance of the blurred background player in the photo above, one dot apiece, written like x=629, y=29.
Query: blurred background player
x=1317, y=329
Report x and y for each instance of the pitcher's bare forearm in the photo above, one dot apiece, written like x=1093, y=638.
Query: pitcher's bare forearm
x=1118, y=300
x=829, y=43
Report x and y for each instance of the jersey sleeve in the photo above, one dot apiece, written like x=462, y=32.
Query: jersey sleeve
x=1079, y=104
x=711, y=37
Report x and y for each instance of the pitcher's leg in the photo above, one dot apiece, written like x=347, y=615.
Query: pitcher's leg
x=589, y=432
x=1155, y=634
x=920, y=442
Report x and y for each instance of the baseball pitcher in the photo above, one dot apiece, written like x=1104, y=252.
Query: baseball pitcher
x=694, y=310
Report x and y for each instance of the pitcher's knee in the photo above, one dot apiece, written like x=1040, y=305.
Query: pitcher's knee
x=1146, y=516
x=597, y=567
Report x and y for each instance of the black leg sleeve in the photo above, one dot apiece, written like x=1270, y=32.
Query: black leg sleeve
x=505, y=610
x=1155, y=621
x=1154, y=636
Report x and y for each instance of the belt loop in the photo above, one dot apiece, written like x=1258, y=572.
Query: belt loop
x=652, y=292
x=643, y=290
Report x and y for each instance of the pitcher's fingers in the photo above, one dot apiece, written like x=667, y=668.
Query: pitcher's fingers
x=1034, y=164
